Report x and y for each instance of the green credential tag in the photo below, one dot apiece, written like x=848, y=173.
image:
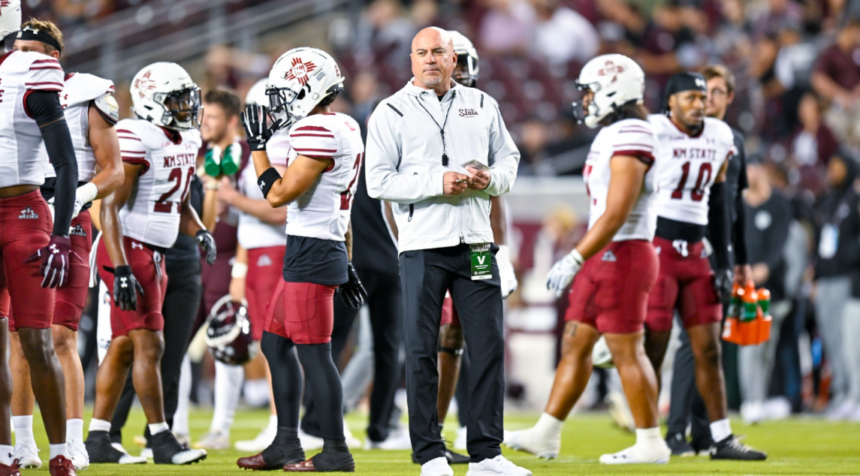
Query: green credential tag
x=482, y=261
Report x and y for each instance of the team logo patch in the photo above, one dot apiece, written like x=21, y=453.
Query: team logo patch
x=78, y=230
x=608, y=256
x=137, y=245
x=264, y=260
x=681, y=247
x=300, y=71
x=144, y=84
x=611, y=69
x=28, y=214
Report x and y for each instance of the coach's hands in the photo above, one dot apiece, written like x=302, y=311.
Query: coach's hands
x=258, y=130
x=563, y=272
x=55, y=263
x=352, y=293
x=454, y=183
x=723, y=280
x=125, y=288
x=207, y=242
x=479, y=179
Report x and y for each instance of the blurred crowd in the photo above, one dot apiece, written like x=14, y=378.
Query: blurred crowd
x=797, y=102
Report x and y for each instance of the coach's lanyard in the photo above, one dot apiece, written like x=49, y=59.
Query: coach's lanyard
x=442, y=127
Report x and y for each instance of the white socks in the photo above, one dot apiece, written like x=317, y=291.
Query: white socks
x=721, y=429
x=6, y=455
x=156, y=428
x=548, y=425
x=59, y=450
x=649, y=448
x=180, y=417
x=228, y=388
x=647, y=436
x=23, y=428
x=99, y=425
x=75, y=429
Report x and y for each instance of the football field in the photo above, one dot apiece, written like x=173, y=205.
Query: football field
x=797, y=446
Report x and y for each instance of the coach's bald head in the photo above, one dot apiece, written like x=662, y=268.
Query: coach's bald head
x=433, y=59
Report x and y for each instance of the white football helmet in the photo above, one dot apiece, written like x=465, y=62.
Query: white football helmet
x=10, y=18
x=466, y=72
x=162, y=93
x=615, y=80
x=299, y=80
x=257, y=94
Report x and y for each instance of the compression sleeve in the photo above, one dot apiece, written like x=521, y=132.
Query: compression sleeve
x=718, y=224
x=44, y=107
x=739, y=243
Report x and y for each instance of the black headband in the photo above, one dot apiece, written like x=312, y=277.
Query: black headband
x=684, y=82
x=32, y=34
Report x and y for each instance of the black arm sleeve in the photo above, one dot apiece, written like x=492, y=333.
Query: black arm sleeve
x=739, y=244
x=44, y=107
x=718, y=224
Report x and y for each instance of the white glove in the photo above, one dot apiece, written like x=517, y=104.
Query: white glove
x=563, y=272
x=84, y=194
x=506, y=271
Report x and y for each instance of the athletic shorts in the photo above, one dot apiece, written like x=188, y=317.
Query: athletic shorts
x=686, y=283
x=148, y=268
x=72, y=297
x=610, y=293
x=449, y=313
x=265, y=271
x=302, y=312
x=25, y=226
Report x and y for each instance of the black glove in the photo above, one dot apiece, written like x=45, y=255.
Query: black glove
x=124, y=287
x=352, y=293
x=723, y=281
x=55, y=258
x=255, y=120
x=207, y=242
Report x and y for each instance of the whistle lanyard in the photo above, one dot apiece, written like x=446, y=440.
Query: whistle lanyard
x=442, y=127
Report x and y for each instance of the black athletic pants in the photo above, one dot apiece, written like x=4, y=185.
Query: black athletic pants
x=180, y=310
x=386, y=318
x=687, y=404
x=425, y=276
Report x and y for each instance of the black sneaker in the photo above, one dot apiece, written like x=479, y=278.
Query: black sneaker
x=166, y=450
x=679, y=445
x=100, y=450
x=702, y=446
x=456, y=458
x=732, y=449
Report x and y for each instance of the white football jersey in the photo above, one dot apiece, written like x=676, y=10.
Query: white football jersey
x=20, y=138
x=152, y=212
x=78, y=92
x=253, y=232
x=688, y=167
x=323, y=211
x=631, y=137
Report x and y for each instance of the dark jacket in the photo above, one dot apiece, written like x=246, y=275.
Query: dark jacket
x=837, y=218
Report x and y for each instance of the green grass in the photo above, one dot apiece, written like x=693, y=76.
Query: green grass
x=798, y=446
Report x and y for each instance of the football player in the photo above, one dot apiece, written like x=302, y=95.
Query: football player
x=140, y=221
x=621, y=179
x=692, y=198
x=260, y=255
x=91, y=112
x=35, y=258
x=318, y=186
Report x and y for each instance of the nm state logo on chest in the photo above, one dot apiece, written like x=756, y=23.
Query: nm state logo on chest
x=468, y=113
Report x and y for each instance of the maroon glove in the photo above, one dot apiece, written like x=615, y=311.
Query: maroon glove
x=55, y=261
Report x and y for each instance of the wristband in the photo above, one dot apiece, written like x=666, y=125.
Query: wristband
x=239, y=271
x=577, y=256
x=86, y=193
x=267, y=179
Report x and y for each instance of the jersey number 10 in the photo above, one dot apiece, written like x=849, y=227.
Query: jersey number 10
x=698, y=192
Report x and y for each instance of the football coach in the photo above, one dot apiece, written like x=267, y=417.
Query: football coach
x=438, y=151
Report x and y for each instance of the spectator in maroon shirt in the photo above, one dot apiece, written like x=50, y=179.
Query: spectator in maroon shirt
x=837, y=72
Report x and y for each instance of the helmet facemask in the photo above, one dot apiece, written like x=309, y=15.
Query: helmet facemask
x=287, y=106
x=592, y=116
x=181, y=109
x=465, y=72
